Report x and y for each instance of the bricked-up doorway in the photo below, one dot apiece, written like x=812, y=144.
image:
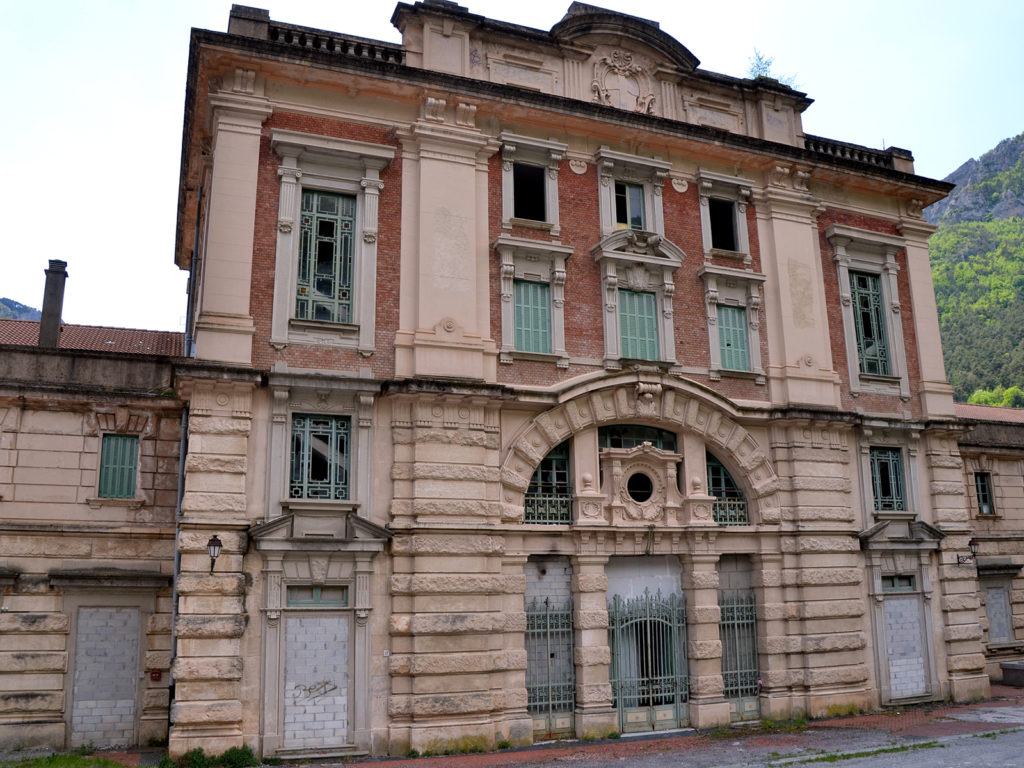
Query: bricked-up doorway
x=316, y=679
x=550, y=674
x=106, y=677
x=647, y=636
x=905, y=649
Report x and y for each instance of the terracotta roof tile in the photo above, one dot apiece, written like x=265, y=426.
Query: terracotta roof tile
x=97, y=338
x=989, y=413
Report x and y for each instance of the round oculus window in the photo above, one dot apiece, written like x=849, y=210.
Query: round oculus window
x=639, y=487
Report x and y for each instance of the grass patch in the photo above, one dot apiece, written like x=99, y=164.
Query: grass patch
x=833, y=758
x=65, y=760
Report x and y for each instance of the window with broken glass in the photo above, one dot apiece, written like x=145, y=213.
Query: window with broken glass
x=320, y=457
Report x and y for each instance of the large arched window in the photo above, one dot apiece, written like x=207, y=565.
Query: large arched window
x=549, y=497
x=632, y=435
x=730, y=507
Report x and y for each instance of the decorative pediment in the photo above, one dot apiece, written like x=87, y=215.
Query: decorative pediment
x=632, y=245
x=583, y=24
x=320, y=530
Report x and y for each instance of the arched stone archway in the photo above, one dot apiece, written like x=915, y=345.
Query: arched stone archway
x=651, y=399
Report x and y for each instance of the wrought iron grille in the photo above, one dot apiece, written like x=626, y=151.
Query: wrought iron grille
x=325, y=280
x=730, y=506
x=887, y=479
x=647, y=634
x=868, y=318
x=549, y=497
x=738, y=630
x=320, y=450
x=550, y=676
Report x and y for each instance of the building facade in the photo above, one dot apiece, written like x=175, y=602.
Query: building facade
x=543, y=384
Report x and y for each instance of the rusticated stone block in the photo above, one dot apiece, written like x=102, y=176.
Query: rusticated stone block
x=212, y=604
x=205, y=462
x=706, y=686
x=28, y=661
x=830, y=643
x=208, y=668
x=704, y=649
x=31, y=701
x=855, y=673
x=968, y=602
x=34, y=622
x=195, y=541
x=955, y=488
x=962, y=632
x=590, y=619
x=592, y=656
x=823, y=576
x=204, y=584
x=827, y=544
x=197, y=501
x=455, y=623
x=781, y=644
x=704, y=579
x=515, y=621
x=591, y=582
x=156, y=698
x=400, y=706
x=46, y=546
x=968, y=662
x=158, y=660
x=451, y=704
x=593, y=693
x=206, y=712
x=829, y=609
x=453, y=508
x=707, y=614
x=210, y=626
x=158, y=623
x=456, y=545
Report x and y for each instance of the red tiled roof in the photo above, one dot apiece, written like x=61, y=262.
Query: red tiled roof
x=989, y=413
x=96, y=338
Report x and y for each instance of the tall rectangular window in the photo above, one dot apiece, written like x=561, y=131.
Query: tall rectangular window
x=629, y=206
x=528, y=184
x=325, y=279
x=869, y=323
x=119, y=460
x=722, y=214
x=320, y=456
x=983, y=486
x=887, y=479
x=532, y=316
x=732, y=337
x=549, y=497
x=638, y=324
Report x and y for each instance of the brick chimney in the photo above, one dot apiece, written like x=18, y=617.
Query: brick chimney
x=53, y=304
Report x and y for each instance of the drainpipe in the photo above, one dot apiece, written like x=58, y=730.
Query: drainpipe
x=182, y=444
x=53, y=304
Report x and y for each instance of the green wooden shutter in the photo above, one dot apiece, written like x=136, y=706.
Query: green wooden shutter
x=119, y=459
x=732, y=337
x=638, y=325
x=532, y=316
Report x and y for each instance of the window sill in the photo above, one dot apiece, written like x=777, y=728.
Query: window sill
x=1004, y=647
x=321, y=506
x=724, y=253
x=877, y=384
x=716, y=374
x=510, y=356
x=544, y=226
x=651, y=366
x=105, y=502
x=319, y=333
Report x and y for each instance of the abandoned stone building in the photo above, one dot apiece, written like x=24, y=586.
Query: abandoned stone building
x=535, y=384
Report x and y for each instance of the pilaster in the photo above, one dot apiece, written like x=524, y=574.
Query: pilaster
x=708, y=706
x=211, y=617
x=595, y=716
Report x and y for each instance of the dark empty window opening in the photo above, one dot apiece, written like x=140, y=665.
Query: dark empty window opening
x=629, y=206
x=723, y=224
x=528, y=192
x=639, y=487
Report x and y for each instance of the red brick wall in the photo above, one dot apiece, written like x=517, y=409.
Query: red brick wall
x=382, y=363
x=872, y=403
x=579, y=220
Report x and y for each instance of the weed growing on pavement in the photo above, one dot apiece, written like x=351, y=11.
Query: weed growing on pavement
x=503, y=744
x=64, y=761
x=835, y=758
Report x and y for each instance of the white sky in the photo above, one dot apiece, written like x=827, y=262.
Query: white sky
x=94, y=95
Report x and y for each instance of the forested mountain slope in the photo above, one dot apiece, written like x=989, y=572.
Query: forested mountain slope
x=977, y=259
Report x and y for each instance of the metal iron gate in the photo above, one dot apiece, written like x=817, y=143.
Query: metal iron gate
x=650, y=682
x=550, y=676
x=738, y=631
